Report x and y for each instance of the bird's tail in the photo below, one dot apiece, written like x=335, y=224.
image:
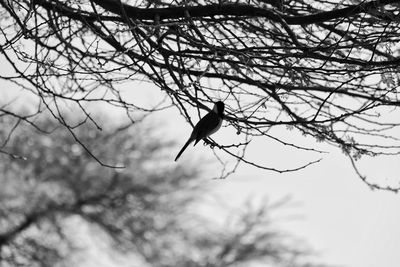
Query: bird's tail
x=183, y=148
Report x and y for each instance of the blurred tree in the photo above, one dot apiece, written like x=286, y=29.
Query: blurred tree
x=326, y=68
x=144, y=208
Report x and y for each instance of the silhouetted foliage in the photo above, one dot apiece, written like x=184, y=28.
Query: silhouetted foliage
x=145, y=208
x=328, y=69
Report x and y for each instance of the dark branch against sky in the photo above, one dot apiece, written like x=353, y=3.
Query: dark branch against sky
x=327, y=69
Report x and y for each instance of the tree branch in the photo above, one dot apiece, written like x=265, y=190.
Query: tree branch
x=236, y=10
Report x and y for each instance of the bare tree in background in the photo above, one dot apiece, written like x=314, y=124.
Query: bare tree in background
x=329, y=69
x=140, y=209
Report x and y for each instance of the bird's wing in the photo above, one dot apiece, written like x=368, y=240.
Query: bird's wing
x=206, y=126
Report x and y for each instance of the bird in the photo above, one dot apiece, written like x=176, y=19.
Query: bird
x=208, y=125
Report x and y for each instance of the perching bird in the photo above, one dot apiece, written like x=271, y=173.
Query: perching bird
x=208, y=125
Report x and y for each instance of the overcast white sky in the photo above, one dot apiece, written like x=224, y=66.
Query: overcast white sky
x=333, y=211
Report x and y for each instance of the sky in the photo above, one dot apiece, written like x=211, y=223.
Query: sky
x=330, y=209
x=341, y=219
x=345, y=222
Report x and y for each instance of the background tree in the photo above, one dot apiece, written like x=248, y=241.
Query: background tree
x=140, y=209
x=326, y=68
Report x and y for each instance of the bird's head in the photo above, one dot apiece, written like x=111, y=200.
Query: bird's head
x=219, y=108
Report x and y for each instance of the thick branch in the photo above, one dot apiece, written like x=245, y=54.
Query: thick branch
x=236, y=10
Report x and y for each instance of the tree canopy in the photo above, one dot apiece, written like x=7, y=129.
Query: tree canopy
x=141, y=210
x=329, y=69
